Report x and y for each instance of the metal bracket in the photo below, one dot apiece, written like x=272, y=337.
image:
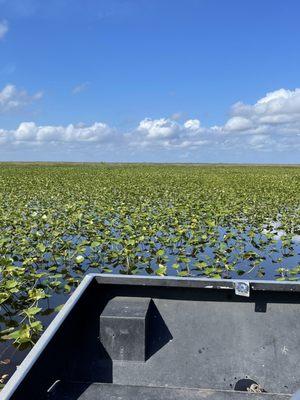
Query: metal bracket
x=242, y=288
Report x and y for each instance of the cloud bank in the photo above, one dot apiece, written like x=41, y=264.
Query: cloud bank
x=272, y=124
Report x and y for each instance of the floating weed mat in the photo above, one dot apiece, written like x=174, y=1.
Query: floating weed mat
x=60, y=221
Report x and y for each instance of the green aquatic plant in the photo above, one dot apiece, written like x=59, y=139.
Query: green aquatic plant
x=61, y=221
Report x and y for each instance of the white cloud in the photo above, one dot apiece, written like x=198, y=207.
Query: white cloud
x=238, y=124
x=279, y=107
x=273, y=122
x=158, y=128
x=3, y=28
x=270, y=124
x=260, y=142
x=13, y=99
x=80, y=88
x=166, y=133
x=30, y=132
x=192, y=124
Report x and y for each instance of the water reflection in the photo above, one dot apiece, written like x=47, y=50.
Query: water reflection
x=261, y=263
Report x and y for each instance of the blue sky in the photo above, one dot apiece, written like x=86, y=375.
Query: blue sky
x=163, y=81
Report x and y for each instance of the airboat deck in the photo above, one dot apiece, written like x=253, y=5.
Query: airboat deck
x=146, y=338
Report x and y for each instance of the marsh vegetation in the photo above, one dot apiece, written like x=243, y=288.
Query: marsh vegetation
x=61, y=221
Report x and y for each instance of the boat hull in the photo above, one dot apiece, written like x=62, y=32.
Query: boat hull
x=167, y=338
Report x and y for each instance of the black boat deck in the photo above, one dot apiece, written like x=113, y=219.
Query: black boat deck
x=107, y=391
x=144, y=339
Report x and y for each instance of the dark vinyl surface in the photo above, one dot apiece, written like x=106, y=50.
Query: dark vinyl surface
x=198, y=338
x=96, y=391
